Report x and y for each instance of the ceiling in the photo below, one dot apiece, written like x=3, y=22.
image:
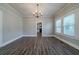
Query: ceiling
x=27, y=9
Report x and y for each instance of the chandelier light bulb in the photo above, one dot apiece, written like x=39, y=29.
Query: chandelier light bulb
x=37, y=12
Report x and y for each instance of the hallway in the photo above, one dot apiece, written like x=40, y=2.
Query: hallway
x=38, y=46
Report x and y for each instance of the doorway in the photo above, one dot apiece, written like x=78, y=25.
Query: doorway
x=39, y=29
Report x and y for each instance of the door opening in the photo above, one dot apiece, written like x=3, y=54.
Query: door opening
x=39, y=28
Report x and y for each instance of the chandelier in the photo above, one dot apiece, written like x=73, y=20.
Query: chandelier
x=37, y=13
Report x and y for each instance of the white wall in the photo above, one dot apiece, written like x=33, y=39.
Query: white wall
x=47, y=27
x=1, y=35
x=30, y=26
x=12, y=23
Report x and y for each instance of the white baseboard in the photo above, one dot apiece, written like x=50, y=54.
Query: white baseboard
x=47, y=35
x=36, y=35
x=10, y=41
x=69, y=43
x=29, y=35
x=4, y=44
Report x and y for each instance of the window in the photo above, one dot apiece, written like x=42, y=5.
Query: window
x=69, y=22
x=58, y=26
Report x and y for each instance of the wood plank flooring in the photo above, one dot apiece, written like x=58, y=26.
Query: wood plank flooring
x=38, y=46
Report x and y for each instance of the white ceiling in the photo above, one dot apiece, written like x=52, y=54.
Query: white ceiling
x=48, y=9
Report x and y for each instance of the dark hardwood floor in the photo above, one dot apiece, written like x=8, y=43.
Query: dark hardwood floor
x=38, y=46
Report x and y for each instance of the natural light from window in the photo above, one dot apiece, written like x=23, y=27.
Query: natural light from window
x=69, y=22
x=58, y=26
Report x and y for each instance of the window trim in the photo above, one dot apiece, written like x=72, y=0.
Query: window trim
x=55, y=25
x=63, y=25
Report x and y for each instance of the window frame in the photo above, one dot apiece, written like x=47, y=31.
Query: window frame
x=72, y=37
x=56, y=27
x=62, y=26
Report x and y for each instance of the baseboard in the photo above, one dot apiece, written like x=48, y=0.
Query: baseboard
x=47, y=35
x=22, y=36
x=71, y=44
x=29, y=35
x=10, y=41
x=36, y=35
